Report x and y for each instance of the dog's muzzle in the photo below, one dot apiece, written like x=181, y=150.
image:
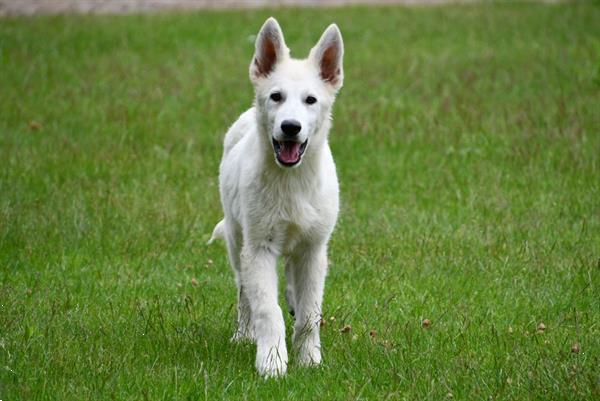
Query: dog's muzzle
x=289, y=153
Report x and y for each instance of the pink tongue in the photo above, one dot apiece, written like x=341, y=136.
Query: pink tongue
x=289, y=152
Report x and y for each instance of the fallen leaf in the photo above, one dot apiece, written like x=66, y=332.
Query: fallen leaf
x=34, y=125
x=373, y=333
x=541, y=327
x=346, y=329
x=426, y=323
x=194, y=282
x=575, y=348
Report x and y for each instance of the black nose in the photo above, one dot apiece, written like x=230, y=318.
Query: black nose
x=291, y=127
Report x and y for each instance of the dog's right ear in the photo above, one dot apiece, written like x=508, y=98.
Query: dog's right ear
x=270, y=50
x=328, y=55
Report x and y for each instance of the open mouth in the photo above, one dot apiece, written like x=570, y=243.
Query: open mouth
x=289, y=153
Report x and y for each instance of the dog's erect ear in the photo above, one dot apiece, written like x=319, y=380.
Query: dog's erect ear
x=270, y=49
x=328, y=54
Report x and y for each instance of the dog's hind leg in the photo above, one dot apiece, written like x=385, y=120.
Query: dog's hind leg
x=244, y=322
x=290, y=297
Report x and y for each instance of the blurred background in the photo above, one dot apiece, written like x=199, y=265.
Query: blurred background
x=28, y=7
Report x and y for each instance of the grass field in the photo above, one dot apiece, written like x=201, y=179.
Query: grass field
x=467, y=140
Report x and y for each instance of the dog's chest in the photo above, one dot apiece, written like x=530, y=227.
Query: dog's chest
x=296, y=213
x=293, y=226
x=292, y=213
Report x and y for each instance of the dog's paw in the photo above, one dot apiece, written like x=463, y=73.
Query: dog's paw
x=271, y=361
x=307, y=345
x=309, y=355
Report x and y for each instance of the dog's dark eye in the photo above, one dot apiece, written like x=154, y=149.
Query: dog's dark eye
x=276, y=96
x=311, y=100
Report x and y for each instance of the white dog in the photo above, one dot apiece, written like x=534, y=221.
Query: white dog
x=279, y=191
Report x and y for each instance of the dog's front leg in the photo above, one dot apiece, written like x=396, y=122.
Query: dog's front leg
x=259, y=277
x=310, y=269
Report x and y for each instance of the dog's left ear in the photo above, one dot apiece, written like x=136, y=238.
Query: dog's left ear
x=328, y=54
x=270, y=50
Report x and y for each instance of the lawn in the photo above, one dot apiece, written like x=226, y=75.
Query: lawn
x=467, y=141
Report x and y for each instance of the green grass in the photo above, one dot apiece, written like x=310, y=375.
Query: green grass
x=467, y=140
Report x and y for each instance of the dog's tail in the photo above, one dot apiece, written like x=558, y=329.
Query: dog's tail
x=218, y=232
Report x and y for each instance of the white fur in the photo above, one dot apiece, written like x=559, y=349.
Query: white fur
x=272, y=210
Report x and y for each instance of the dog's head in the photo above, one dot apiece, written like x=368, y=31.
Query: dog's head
x=294, y=97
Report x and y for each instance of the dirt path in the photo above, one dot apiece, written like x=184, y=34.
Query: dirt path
x=31, y=7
